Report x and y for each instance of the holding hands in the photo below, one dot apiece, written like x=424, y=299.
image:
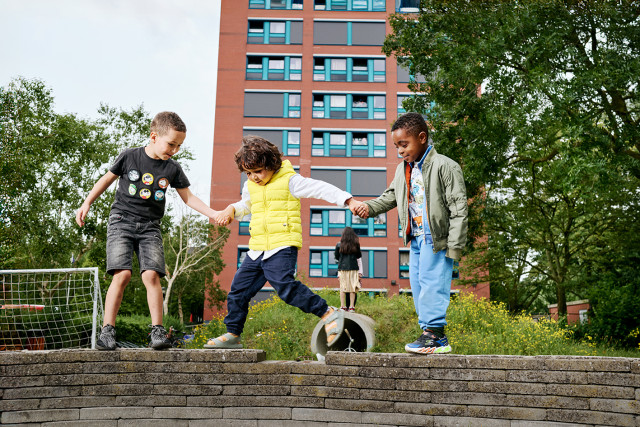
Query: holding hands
x=225, y=216
x=358, y=208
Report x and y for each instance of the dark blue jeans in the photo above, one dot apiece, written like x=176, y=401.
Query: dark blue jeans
x=279, y=269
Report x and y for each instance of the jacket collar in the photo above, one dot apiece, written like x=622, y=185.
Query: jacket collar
x=420, y=162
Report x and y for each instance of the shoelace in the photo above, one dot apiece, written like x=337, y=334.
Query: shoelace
x=159, y=333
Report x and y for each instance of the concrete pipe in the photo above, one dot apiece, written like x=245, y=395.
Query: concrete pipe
x=360, y=336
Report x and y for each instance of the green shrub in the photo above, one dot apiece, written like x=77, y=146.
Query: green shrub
x=476, y=326
x=135, y=328
x=59, y=327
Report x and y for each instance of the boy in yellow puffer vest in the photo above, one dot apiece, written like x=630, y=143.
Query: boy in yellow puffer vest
x=272, y=196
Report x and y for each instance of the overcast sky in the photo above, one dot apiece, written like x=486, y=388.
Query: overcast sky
x=159, y=53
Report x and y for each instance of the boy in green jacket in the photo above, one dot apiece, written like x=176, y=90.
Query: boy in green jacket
x=429, y=191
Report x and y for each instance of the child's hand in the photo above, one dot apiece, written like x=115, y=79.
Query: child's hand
x=358, y=208
x=82, y=214
x=223, y=217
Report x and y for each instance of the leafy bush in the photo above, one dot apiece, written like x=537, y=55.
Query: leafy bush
x=135, y=328
x=60, y=328
x=476, y=326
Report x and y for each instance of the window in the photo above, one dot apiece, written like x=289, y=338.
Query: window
x=359, y=182
x=322, y=262
x=332, y=221
x=403, y=266
x=408, y=6
x=273, y=67
x=349, y=69
x=271, y=104
x=360, y=5
x=356, y=106
x=274, y=32
x=401, y=109
x=348, y=33
x=348, y=144
x=242, y=253
x=287, y=141
x=275, y=4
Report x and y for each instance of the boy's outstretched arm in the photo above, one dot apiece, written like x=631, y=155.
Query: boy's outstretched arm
x=103, y=183
x=195, y=203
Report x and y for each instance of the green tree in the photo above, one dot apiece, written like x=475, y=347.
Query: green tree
x=48, y=160
x=553, y=140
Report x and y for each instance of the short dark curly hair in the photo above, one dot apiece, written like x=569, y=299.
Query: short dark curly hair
x=166, y=120
x=412, y=123
x=256, y=152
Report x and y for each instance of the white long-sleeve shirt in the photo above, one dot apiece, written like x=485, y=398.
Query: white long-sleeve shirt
x=300, y=188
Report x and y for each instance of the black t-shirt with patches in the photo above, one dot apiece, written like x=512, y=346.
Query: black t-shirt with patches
x=143, y=184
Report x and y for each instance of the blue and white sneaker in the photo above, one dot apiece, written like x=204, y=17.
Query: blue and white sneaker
x=429, y=343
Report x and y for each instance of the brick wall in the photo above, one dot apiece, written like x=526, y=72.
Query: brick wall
x=239, y=388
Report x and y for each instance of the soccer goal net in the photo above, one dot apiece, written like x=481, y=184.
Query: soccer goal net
x=49, y=309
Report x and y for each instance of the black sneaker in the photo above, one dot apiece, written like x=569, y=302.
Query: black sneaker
x=159, y=338
x=429, y=343
x=107, y=338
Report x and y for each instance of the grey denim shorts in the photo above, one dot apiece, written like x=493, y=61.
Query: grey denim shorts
x=125, y=236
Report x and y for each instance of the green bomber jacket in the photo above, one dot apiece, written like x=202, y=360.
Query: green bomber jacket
x=446, y=200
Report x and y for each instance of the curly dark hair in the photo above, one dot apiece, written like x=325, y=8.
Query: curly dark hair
x=166, y=120
x=256, y=152
x=412, y=123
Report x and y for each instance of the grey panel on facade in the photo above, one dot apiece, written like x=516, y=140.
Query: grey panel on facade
x=263, y=104
x=332, y=176
x=273, y=136
x=367, y=33
x=380, y=264
x=403, y=74
x=368, y=183
x=330, y=33
x=365, y=263
x=295, y=37
x=243, y=179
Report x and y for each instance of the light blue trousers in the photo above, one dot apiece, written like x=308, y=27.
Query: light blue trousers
x=430, y=277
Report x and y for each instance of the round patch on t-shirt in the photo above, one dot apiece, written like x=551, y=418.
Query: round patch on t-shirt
x=163, y=183
x=132, y=189
x=145, y=193
x=133, y=175
x=147, y=179
x=159, y=195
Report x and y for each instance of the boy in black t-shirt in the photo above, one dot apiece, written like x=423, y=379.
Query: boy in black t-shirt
x=134, y=221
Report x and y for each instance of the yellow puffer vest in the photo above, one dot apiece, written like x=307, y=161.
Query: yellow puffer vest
x=275, y=213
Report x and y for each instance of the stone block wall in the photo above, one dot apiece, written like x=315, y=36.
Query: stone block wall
x=133, y=387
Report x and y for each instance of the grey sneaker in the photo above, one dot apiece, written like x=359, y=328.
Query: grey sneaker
x=159, y=338
x=107, y=338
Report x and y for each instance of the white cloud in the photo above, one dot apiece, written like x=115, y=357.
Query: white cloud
x=159, y=53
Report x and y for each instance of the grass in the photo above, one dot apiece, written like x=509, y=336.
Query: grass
x=474, y=327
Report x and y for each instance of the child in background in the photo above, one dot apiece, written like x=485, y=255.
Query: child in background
x=428, y=189
x=272, y=196
x=349, y=267
x=134, y=221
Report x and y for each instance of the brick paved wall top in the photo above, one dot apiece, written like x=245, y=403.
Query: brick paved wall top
x=238, y=388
